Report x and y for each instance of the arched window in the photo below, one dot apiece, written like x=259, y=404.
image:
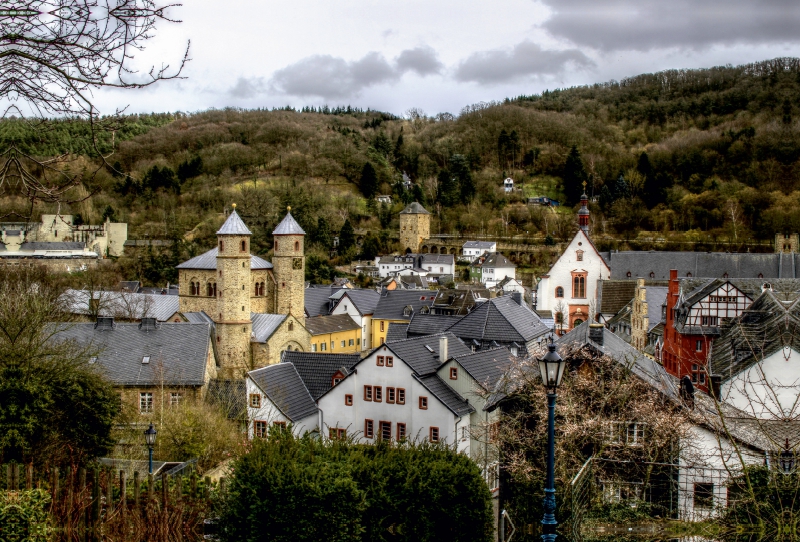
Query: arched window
x=725, y=275
x=291, y=328
x=244, y=246
x=689, y=275
x=297, y=246
x=221, y=246
x=652, y=275
x=761, y=275
x=209, y=290
x=276, y=245
x=579, y=286
x=559, y=292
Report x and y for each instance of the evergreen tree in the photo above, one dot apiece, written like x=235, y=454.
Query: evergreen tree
x=574, y=175
x=502, y=146
x=370, y=248
x=459, y=169
x=382, y=144
x=322, y=234
x=347, y=237
x=448, y=188
x=369, y=181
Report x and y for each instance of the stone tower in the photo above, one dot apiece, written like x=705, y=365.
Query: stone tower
x=288, y=267
x=583, y=214
x=233, y=323
x=415, y=227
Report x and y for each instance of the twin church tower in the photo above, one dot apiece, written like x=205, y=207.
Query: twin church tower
x=235, y=289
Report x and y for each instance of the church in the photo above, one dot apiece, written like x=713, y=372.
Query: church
x=256, y=308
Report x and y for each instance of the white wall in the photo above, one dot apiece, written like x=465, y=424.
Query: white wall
x=345, y=306
x=492, y=275
x=271, y=413
x=769, y=388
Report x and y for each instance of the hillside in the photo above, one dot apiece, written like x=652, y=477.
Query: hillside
x=710, y=155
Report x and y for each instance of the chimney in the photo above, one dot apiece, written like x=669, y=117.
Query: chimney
x=596, y=333
x=442, y=349
x=517, y=297
x=716, y=386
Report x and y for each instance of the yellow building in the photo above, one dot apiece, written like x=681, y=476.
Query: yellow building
x=337, y=334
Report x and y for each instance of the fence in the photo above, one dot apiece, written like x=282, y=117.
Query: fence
x=89, y=504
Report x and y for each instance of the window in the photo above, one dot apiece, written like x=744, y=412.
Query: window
x=369, y=429
x=348, y=400
x=291, y=326
x=626, y=433
x=323, y=346
x=259, y=429
x=559, y=292
x=704, y=495
x=377, y=392
x=350, y=342
x=385, y=430
x=221, y=246
x=380, y=361
x=389, y=361
x=453, y=373
x=464, y=433
x=710, y=320
x=579, y=286
x=297, y=246
x=434, y=434
x=276, y=245
x=391, y=395
x=343, y=344
x=382, y=324
x=616, y=492
x=401, y=396
x=635, y=434
x=92, y=360
x=579, y=255
x=145, y=402
x=368, y=393
x=698, y=345
x=255, y=400
x=336, y=433
x=401, y=431
x=423, y=403
x=314, y=347
x=175, y=398
x=279, y=426
x=244, y=246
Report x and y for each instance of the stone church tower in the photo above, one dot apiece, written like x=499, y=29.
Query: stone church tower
x=415, y=227
x=289, y=265
x=233, y=323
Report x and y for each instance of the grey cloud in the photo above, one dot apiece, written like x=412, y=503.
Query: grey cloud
x=687, y=24
x=247, y=87
x=421, y=60
x=524, y=60
x=334, y=78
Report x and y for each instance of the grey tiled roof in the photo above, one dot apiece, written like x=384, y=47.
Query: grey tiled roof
x=422, y=353
x=208, y=260
x=414, y=209
x=615, y=294
x=178, y=352
x=459, y=300
x=317, y=370
x=316, y=300
x=363, y=300
x=500, y=319
x=656, y=297
x=52, y=245
x=331, y=323
x=704, y=264
x=486, y=245
x=284, y=387
x=264, y=325
x=447, y=395
x=288, y=226
x=486, y=366
x=198, y=318
x=123, y=305
x=396, y=332
x=234, y=226
x=392, y=302
x=428, y=324
x=496, y=259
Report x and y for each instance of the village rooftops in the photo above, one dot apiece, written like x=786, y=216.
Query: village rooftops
x=615, y=294
x=428, y=324
x=657, y=265
x=447, y=395
x=333, y=323
x=402, y=304
x=396, y=332
x=317, y=370
x=495, y=259
x=121, y=305
x=282, y=384
x=208, y=261
x=264, y=325
x=486, y=366
x=422, y=353
x=501, y=320
x=363, y=300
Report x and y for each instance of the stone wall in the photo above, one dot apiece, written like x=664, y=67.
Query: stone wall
x=289, y=264
x=290, y=333
x=414, y=228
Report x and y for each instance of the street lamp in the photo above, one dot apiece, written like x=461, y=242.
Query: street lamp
x=551, y=367
x=787, y=459
x=150, y=439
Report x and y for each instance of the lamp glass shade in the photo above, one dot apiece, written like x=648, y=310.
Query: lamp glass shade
x=551, y=367
x=150, y=436
x=787, y=461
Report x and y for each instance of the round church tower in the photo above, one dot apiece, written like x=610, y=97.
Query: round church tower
x=289, y=264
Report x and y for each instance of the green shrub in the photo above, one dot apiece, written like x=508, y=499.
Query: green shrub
x=23, y=515
x=303, y=489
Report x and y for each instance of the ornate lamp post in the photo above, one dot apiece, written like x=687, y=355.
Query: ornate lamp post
x=551, y=367
x=150, y=439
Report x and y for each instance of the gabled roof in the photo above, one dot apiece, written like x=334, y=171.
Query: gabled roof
x=288, y=226
x=264, y=325
x=460, y=300
x=428, y=324
x=486, y=366
x=584, y=237
x=422, y=353
x=317, y=300
x=199, y=318
x=208, y=261
x=178, y=352
x=496, y=259
x=445, y=394
x=123, y=305
x=331, y=323
x=363, y=300
x=392, y=303
x=704, y=264
x=317, y=370
x=396, y=332
x=485, y=245
x=282, y=384
x=234, y=226
x=414, y=209
x=500, y=319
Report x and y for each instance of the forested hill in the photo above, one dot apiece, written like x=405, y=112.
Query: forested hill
x=713, y=150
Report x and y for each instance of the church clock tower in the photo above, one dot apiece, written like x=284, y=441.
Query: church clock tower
x=289, y=264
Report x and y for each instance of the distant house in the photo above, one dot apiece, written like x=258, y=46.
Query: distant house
x=432, y=263
x=360, y=306
x=474, y=249
x=543, y=200
x=397, y=306
x=278, y=398
x=508, y=184
x=492, y=268
x=384, y=199
x=334, y=333
x=509, y=285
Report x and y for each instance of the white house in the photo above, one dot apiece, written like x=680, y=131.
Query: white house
x=494, y=268
x=360, y=305
x=440, y=264
x=473, y=249
x=277, y=397
x=508, y=184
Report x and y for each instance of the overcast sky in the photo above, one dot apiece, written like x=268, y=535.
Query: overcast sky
x=440, y=55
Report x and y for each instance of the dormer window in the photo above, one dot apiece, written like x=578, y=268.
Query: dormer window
x=407, y=311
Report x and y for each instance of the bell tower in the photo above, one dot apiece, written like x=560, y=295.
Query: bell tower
x=415, y=227
x=583, y=214
x=289, y=264
x=233, y=323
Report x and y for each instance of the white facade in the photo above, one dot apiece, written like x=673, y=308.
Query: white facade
x=267, y=412
x=473, y=249
x=345, y=306
x=345, y=406
x=768, y=389
x=490, y=276
x=558, y=290
x=508, y=184
x=432, y=263
x=513, y=285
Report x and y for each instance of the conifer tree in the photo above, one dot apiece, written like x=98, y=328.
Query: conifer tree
x=369, y=181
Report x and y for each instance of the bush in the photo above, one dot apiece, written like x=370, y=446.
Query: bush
x=304, y=489
x=23, y=515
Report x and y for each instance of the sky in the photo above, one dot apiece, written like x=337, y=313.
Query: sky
x=439, y=55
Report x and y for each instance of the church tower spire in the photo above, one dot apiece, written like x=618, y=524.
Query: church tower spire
x=583, y=214
x=289, y=263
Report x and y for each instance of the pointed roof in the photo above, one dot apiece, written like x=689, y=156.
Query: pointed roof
x=288, y=226
x=234, y=225
x=414, y=209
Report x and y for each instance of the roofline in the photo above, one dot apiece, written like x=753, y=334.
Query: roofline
x=466, y=401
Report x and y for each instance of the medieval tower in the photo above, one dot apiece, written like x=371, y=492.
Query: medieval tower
x=233, y=323
x=415, y=227
x=289, y=264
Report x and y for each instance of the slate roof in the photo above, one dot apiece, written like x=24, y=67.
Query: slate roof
x=615, y=294
x=363, y=300
x=264, y=325
x=123, y=305
x=500, y=319
x=208, y=260
x=317, y=370
x=392, y=303
x=486, y=366
x=704, y=264
x=656, y=297
x=234, y=226
x=459, y=301
x=428, y=324
x=282, y=384
x=422, y=353
x=485, y=245
x=198, y=318
x=178, y=352
x=396, y=332
x=496, y=259
x=288, y=226
x=317, y=300
x=452, y=400
x=414, y=209
x=332, y=323
x=52, y=245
